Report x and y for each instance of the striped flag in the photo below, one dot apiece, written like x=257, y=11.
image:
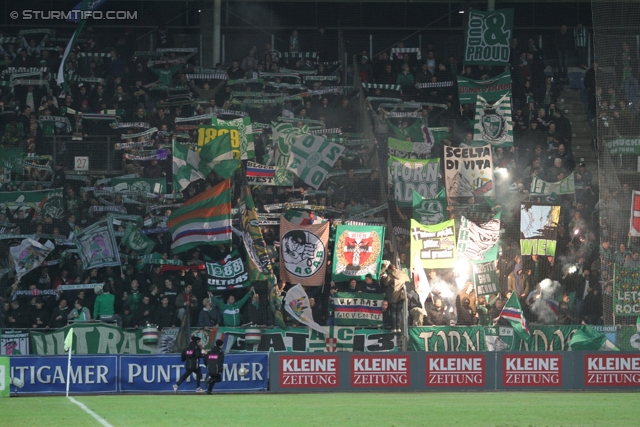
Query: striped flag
x=185, y=167
x=634, y=231
x=61, y=80
x=493, y=122
x=553, y=305
x=312, y=158
x=512, y=311
x=338, y=338
x=204, y=219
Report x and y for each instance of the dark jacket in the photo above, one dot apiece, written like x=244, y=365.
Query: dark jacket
x=210, y=318
x=165, y=316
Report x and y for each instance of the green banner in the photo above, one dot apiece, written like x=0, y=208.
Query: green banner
x=11, y=159
x=408, y=175
x=409, y=150
x=626, y=291
x=358, y=252
x=447, y=338
x=491, y=90
x=623, y=146
x=96, y=338
x=433, y=245
x=430, y=211
x=628, y=338
x=47, y=201
x=5, y=377
x=485, y=279
x=135, y=240
x=488, y=37
x=357, y=309
x=145, y=185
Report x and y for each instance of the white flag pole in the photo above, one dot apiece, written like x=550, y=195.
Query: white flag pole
x=68, y=371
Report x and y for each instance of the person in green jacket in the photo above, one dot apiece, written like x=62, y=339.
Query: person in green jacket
x=103, y=307
x=405, y=80
x=165, y=74
x=231, y=310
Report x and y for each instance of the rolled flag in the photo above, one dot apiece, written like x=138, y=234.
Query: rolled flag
x=30, y=254
x=296, y=302
x=68, y=341
x=420, y=282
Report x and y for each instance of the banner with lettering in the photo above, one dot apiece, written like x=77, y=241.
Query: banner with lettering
x=447, y=338
x=485, y=279
x=468, y=171
x=491, y=90
x=544, y=188
x=626, y=291
x=230, y=273
x=304, y=252
x=538, y=229
x=409, y=149
x=357, y=309
x=408, y=175
x=47, y=201
x=488, y=37
x=357, y=252
x=630, y=146
x=434, y=245
x=92, y=338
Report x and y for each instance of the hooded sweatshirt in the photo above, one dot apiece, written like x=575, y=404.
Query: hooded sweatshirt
x=231, y=312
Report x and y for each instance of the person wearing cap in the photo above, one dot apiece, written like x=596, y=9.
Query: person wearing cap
x=215, y=364
x=191, y=357
x=582, y=177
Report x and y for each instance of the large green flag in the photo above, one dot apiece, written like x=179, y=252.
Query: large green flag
x=490, y=90
x=447, y=338
x=312, y=158
x=588, y=339
x=430, y=211
x=137, y=241
x=488, y=37
x=629, y=146
x=512, y=311
x=358, y=252
x=46, y=201
x=62, y=75
x=243, y=130
x=407, y=175
x=220, y=152
x=11, y=159
x=417, y=131
x=284, y=136
x=626, y=298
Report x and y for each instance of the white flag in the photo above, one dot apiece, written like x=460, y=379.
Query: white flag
x=297, y=304
x=420, y=282
x=29, y=255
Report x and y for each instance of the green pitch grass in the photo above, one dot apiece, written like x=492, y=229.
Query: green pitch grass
x=464, y=409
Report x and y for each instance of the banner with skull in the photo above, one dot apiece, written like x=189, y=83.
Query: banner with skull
x=358, y=252
x=303, y=257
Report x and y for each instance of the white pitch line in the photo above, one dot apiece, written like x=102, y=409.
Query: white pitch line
x=90, y=412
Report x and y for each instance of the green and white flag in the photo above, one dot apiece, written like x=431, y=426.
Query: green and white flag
x=478, y=243
x=488, y=37
x=588, y=339
x=417, y=131
x=137, y=241
x=337, y=338
x=220, y=153
x=61, y=80
x=312, y=157
x=630, y=146
x=491, y=90
x=544, y=188
x=407, y=175
x=11, y=160
x=430, y=211
x=97, y=245
x=244, y=132
x=410, y=150
x=493, y=123
x=485, y=279
x=284, y=136
x=185, y=167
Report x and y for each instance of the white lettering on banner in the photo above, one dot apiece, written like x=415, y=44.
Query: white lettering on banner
x=389, y=371
x=380, y=379
x=532, y=379
x=455, y=371
x=530, y=370
x=455, y=364
x=532, y=364
x=303, y=371
x=614, y=370
x=162, y=374
x=88, y=374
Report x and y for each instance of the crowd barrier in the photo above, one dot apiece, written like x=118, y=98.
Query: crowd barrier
x=101, y=374
x=288, y=372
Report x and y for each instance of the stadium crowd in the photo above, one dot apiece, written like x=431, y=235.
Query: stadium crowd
x=156, y=90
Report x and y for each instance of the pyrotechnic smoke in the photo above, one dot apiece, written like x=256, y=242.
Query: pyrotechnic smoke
x=540, y=307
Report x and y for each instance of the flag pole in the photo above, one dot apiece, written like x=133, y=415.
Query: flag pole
x=68, y=370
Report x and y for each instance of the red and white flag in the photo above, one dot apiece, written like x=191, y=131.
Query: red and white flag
x=634, y=229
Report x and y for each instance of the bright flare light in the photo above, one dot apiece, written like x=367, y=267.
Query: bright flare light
x=504, y=172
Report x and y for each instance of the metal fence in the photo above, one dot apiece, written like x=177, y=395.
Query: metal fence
x=100, y=150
